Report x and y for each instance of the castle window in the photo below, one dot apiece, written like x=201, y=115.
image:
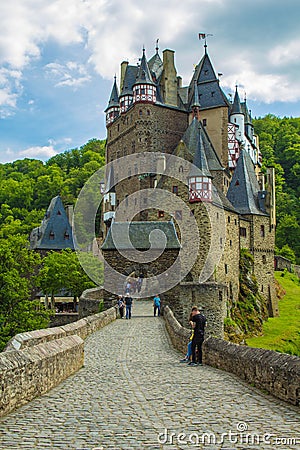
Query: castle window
x=161, y=214
x=148, y=112
x=243, y=232
x=126, y=200
x=262, y=288
x=51, y=235
x=58, y=213
x=178, y=215
x=180, y=169
x=264, y=259
x=217, y=215
x=192, y=212
x=230, y=243
x=262, y=231
x=204, y=122
x=228, y=219
x=237, y=183
x=235, y=222
x=118, y=127
x=213, y=93
x=226, y=268
x=175, y=190
x=140, y=112
x=66, y=236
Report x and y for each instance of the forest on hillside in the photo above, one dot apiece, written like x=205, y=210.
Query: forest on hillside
x=28, y=185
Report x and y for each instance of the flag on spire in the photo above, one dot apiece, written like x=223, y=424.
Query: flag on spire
x=202, y=35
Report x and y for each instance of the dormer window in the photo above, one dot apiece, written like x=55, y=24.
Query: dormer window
x=51, y=235
x=66, y=235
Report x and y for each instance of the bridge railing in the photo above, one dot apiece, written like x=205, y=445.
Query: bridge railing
x=35, y=362
x=276, y=373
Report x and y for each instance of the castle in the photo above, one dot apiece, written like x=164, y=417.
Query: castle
x=206, y=158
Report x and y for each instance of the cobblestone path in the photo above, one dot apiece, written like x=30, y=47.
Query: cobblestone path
x=134, y=394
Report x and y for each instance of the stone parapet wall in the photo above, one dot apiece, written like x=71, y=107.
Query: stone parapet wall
x=36, y=361
x=26, y=374
x=178, y=334
x=276, y=373
x=89, y=302
x=83, y=328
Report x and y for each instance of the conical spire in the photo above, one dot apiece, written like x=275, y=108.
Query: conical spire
x=236, y=106
x=196, y=95
x=200, y=160
x=144, y=75
x=114, y=96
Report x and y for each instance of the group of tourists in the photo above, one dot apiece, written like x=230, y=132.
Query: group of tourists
x=125, y=305
x=197, y=322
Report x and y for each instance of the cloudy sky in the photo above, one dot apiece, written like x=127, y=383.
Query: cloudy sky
x=58, y=59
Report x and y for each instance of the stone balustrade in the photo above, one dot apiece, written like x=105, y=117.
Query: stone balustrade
x=36, y=361
x=276, y=373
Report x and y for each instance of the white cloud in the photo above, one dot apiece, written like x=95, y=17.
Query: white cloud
x=10, y=89
x=287, y=54
x=71, y=74
x=38, y=152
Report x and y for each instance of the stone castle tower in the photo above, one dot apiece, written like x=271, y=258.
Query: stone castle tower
x=206, y=157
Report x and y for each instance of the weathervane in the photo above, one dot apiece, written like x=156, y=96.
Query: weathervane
x=204, y=36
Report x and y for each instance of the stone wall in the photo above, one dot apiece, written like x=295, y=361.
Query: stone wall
x=60, y=319
x=276, y=373
x=31, y=372
x=36, y=361
x=282, y=263
x=89, y=302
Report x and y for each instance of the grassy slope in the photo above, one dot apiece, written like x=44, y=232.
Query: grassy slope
x=283, y=333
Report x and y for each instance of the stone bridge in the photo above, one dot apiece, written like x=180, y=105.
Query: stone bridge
x=133, y=393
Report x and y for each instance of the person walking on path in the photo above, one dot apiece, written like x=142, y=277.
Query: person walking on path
x=156, y=305
x=128, y=303
x=121, y=306
x=188, y=355
x=198, y=322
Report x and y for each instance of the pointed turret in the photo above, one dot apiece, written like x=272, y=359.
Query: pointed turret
x=144, y=89
x=112, y=110
x=200, y=186
x=237, y=117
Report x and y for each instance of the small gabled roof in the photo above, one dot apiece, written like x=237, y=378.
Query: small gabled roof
x=243, y=189
x=55, y=232
x=246, y=113
x=139, y=233
x=196, y=132
x=114, y=96
x=144, y=74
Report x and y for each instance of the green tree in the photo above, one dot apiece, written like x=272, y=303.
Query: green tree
x=18, y=267
x=62, y=270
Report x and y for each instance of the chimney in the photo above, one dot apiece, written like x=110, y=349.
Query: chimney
x=124, y=65
x=169, y=78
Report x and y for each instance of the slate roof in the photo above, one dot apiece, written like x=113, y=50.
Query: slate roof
x=191, y=138
x=156, y=65
x=139, y=233
x=55, y=232
x=236, y=106
x=144, y=75
x=114, y=96
x=210, y=93
x=129, y=80
x=243, y=189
